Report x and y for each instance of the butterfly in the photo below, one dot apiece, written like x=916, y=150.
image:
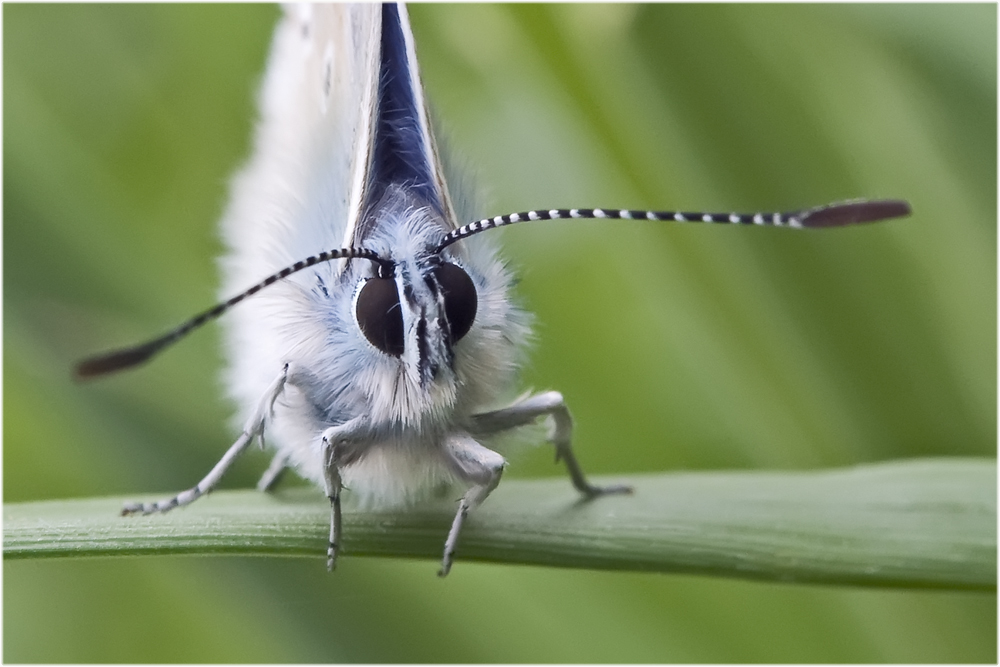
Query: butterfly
x=381, y=337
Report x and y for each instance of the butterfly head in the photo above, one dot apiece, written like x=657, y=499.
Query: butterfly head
x=417, y=312
x=415, y=309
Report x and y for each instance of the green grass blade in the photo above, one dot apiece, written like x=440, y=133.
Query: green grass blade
x=918, y=523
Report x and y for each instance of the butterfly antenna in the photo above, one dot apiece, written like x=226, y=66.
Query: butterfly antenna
x=128, y=357
x=831, y=215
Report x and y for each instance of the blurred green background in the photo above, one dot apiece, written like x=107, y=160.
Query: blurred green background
x=677, y=347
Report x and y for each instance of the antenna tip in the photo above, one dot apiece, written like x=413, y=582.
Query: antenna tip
x=118, y=360
x=855, y=212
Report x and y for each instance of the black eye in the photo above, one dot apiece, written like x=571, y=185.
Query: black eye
x=379, y=315
x=460, y=300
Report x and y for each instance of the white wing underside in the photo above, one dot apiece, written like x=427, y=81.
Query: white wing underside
x=296, y=194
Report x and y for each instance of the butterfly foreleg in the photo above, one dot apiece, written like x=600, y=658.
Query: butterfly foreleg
x=475, y=465
x=342, y=445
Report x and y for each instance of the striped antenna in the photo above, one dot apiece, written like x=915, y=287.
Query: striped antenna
x=128, y=357
x=832, y=215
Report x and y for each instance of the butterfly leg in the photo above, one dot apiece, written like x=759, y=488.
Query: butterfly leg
x=254, y=428
x=333, y=487
x=548, y=404
x=275, y=471
x=338, y=451
x=476, y=465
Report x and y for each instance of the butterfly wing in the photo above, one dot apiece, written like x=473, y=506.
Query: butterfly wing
x=402, y=150
x=342, y=115
x=296, y=194
x=300, y=191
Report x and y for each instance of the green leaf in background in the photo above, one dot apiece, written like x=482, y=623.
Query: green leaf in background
x=699, y=348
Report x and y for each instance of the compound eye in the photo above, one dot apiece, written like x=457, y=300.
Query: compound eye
x=379, y=315
x=460, y=299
